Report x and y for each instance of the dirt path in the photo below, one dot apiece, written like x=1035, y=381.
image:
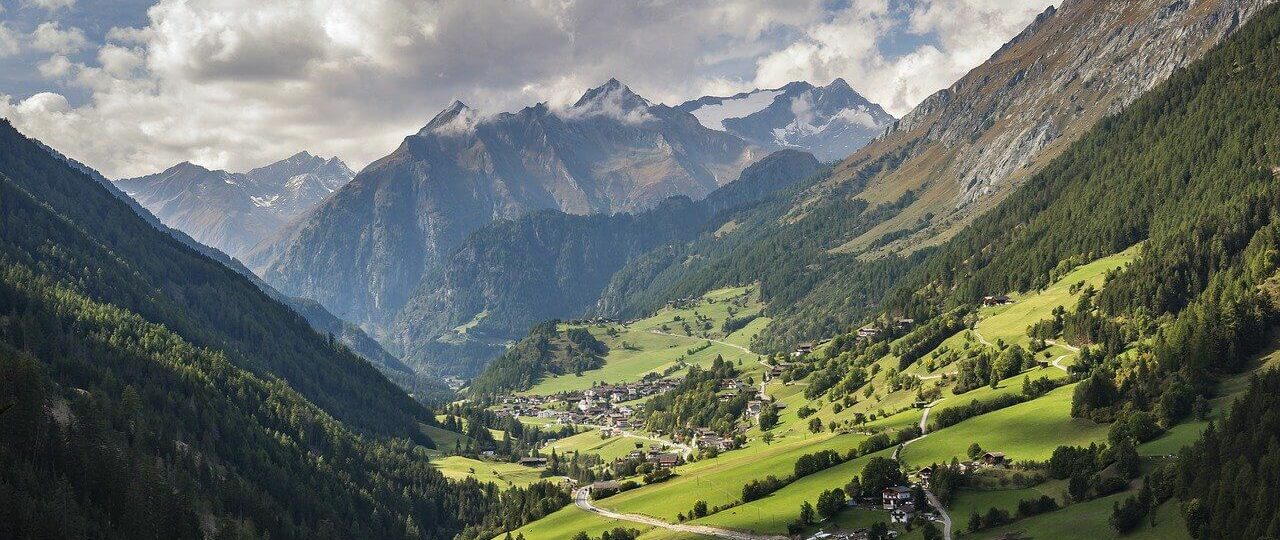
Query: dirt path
x=582, y=498
x=981, y=339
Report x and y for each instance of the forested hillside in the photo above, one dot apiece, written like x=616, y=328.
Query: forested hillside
x=510, y=275
x=149, y=391
x=826, y=254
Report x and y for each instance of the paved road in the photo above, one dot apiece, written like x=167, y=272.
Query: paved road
x=1066, y=346
x=582, y=499
x=946, y=518
x=924, y=418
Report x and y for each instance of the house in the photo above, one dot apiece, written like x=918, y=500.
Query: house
x=903, y=323
x=802, y=349
x=607, y=485
x=997, y=300
x=665, y=461
x=903, y=514
x=533, y=461
x=994, y=459
x=895, y=496
x=868, y=332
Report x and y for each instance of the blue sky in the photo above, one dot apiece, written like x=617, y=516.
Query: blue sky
x=133, y=86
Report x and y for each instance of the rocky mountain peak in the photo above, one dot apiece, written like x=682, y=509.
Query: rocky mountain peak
x=613, y=99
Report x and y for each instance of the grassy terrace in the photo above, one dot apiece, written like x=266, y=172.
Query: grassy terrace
x=1010, y=322
x=651, y=349
x=590, y=442
x=502, y=474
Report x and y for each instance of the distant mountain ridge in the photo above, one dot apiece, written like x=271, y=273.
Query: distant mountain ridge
x=511, y=274
x=365, y=250
x=233, y=211
x=830, y=122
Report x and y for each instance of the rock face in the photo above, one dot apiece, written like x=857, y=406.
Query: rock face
x=830, y=122
x=964, y=148
x=364, y=251
x=234, y=211
x=512, y=274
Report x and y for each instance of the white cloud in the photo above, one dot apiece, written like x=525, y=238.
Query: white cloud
x=56, y=67
x=8, y=41
x=848, y=45
x=50, y=37
x=53, y=5
x=232, y=83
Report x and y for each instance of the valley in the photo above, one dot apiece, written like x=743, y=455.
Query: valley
x=1041, y=302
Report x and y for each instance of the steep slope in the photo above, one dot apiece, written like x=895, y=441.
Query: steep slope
x=830, y=122
x=320, y=319
x=234, y=211
x=365, y=250
x=964, y=148
x=146, y=271
x=827, y=255
x=149, y=391
x=549, y=264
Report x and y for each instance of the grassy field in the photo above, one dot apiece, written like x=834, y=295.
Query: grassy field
x=502, y=474
x=590, y=442
x=1009, y=322
x=644, y=346
x=1030, y=430
x=968, y=501
x=1089, y=520
x=771, y=514
x=719, y=481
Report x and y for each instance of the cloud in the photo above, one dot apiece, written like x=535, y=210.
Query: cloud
x=50, y=37
x=53, y=5
x=234, y=83
x=963, y=33
x=56, y=67
x=8, y=41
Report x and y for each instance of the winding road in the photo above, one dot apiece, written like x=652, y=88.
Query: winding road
x=582, y=498
x=946, y=518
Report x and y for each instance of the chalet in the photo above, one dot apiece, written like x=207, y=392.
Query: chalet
x=903, y=514
x=895, y=496
x=802, y=349
x=665, y=461
x=994, y=459
x=998, y=300
x=868, y=332
x=533, y=461
x=607, y=485
x=903, y=323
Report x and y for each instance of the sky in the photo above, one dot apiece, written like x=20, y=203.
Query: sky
x=132, y=87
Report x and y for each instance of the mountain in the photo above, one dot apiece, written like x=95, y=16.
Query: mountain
x=233, y=211
x=830, y=121
x=365, y=250
x=511, y=274
x=149, y=390
x=324, y=322
x=826, y=255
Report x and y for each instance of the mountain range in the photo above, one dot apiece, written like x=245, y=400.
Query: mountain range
x=234, y=211
x=830, y=122
x=511, y=274
x=366, y=250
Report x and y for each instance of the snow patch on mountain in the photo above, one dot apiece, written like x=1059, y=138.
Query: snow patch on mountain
x=714, y=115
